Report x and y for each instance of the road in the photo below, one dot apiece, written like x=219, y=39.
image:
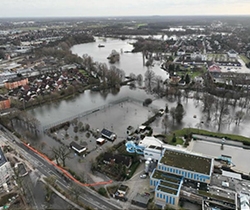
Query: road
x=88, y=196
x=220, y=141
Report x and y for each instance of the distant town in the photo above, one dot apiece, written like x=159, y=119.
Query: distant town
x=125, y=113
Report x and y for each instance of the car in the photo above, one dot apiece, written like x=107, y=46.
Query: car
x=143, y=176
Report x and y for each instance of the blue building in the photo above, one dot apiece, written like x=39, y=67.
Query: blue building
x=173, y=167
x=188, y=165
x=167, y=188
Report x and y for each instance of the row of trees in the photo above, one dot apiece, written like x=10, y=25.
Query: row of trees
x=108, y=76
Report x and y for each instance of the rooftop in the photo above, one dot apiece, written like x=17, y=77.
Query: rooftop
x=2, y=98
x=169, y=183
x=187, y=161
x=2, y=158
x=77, y=146
x=166, y=177
x=140, y=199
x=156, y=147
x=106, y=132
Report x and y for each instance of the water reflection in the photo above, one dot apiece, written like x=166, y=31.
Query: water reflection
x=130, y=63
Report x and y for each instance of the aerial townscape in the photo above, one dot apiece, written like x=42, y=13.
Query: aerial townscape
x=125, y=112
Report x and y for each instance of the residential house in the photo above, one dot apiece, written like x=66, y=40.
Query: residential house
x=180, y=52
x=4, y=103
x=15, y=83
x=77, y=148
x=197, y=56
x=110, y=158
x=214, y=70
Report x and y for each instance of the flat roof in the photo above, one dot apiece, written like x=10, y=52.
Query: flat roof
x=167, y=190
x=166, y=176
x=77, y=146
x=2, y=157
x=142, y=199
x=169, y=183
x=100, y=140
x=231, y=175
x=187, y=161
x=156, y=147
x=107, y=132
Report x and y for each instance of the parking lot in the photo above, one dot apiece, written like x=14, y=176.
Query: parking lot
x=137, y=185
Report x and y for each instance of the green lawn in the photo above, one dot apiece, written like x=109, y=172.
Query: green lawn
x=244, y=58
x=83, y=72
x=3, y=91
x=186, y=131
x=191, y=72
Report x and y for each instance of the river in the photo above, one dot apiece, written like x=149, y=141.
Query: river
x=130, y=63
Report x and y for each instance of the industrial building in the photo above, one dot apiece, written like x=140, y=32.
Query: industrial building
x=173, y=167
x=190, y=166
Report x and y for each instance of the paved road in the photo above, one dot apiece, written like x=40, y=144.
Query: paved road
x=220, y=141
x=88, y=196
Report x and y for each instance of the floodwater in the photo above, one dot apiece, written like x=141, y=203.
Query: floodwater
x=130, y=63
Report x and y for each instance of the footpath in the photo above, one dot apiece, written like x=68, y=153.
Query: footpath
x=220, y=141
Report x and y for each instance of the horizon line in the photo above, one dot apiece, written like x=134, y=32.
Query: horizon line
x=113, y=16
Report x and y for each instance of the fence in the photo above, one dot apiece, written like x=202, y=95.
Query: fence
x=89, y=112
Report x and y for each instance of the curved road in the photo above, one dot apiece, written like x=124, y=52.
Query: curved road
x=87, y=196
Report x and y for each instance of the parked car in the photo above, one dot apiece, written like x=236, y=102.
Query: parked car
x=143, y=176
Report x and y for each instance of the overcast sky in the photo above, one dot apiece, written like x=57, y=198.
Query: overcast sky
x=75, y=8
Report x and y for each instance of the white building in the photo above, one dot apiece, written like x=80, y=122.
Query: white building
x=5, y=169
x=232, y=54
x=244, y=202
x=198, y=56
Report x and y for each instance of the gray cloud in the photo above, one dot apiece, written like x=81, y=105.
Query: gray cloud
x=21, y=8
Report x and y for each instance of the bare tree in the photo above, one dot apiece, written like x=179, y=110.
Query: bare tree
x=139, y=79
x=165, y=123
x=61, y=153
x=115, y=76
x=88, y=62
x=149, y=79
x=208, y=101
x=172, y=113
x=221, y=110
x=239, y=117
x=159, y=89
x=55, y=152
x=75, y=190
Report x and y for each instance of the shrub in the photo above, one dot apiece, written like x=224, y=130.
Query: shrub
x=102, y=191
x=147, y=102
x=76, y=129
x=174, y=139
x=87, y=135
